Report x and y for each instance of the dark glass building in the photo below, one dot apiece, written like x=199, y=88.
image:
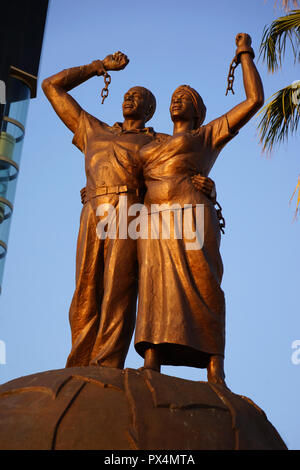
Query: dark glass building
x=21, y=38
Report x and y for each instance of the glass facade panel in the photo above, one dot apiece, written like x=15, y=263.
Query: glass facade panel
x=11, y=142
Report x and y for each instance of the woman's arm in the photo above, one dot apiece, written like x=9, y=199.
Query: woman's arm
x=243, y=112
x=57, y=86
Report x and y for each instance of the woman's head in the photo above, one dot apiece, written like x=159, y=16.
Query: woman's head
x=186, y=104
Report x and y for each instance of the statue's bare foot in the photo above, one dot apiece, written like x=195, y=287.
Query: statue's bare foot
x=215, y=370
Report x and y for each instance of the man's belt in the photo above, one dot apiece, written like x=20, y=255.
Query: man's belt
x=87, y=194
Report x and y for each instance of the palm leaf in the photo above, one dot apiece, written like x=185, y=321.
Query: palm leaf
x=298, y=197
x=275, y=37
x=288, y=4
x=280, y=117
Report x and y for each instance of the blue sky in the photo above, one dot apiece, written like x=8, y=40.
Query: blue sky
x=168, y=43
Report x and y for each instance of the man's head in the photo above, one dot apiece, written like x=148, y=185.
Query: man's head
x=139, y=103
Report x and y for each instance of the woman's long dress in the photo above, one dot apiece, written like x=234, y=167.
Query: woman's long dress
x=181, y=304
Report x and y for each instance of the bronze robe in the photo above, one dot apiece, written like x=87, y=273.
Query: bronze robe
x=181, y=303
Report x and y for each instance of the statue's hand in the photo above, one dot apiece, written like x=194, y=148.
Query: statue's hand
x=205, y=185
x=243, y=40
x=116, y=61
x=83, y=195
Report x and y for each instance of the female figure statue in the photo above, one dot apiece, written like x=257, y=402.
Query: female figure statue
x=181, y=313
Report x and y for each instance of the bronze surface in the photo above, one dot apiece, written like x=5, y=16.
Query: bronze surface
x=94, y=408
x=181, y=312
x=102, y=312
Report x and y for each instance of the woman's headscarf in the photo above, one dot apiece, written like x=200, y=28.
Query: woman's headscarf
x=199, y=106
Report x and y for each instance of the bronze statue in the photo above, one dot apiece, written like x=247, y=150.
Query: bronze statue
x=106, y=270
x=103, y=308
x=181, y=312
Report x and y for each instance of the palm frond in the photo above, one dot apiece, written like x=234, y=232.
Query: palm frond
x=298, y=197
x=275, y=37
x=280, y=118
x=288, y=5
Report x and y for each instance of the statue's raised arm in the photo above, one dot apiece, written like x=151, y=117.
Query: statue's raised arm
x=56, y=87
x=243, y=112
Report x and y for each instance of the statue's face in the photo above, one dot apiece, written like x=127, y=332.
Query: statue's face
x=135, y=104
x=182, y=107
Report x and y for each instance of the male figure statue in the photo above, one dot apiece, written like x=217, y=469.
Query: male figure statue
x=102, y=312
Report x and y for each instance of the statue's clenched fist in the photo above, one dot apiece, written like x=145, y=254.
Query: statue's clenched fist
x=116, y=61
x=243, y=40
